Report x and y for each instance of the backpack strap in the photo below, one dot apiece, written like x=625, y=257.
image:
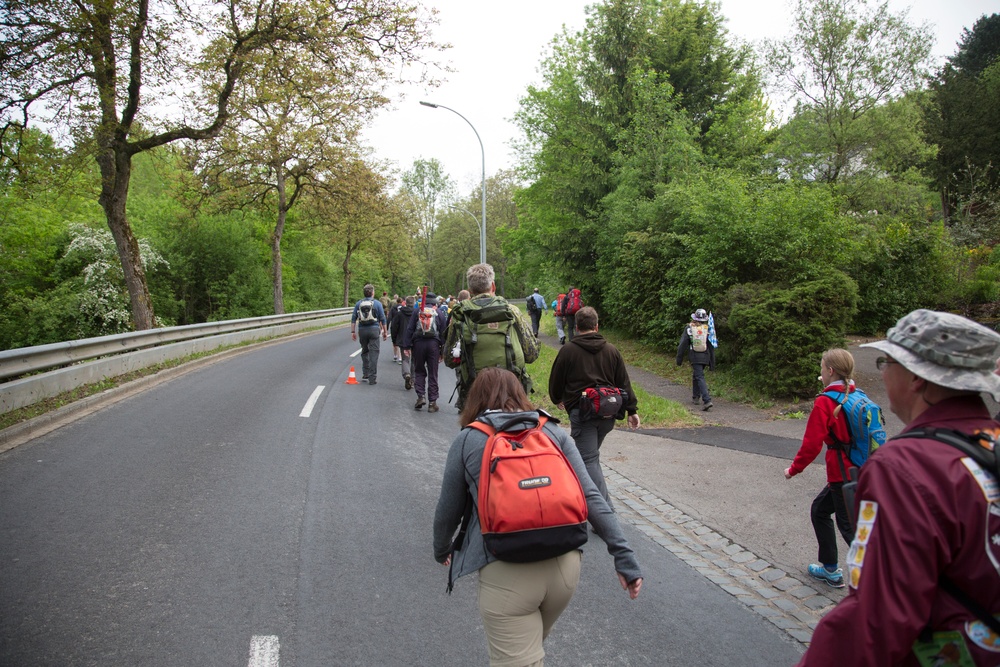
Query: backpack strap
x=980, y=447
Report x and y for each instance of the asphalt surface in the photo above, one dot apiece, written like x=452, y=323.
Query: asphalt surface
x=206, y=517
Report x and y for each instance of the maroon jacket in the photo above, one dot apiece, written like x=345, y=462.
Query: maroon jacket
x=922, y=513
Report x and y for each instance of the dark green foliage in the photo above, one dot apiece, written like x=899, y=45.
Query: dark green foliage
x=777, y=335
x=964, y=118
x=899, y=266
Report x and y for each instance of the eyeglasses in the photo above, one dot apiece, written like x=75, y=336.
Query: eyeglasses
x=882, y=362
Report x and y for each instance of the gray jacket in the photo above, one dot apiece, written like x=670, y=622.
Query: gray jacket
x=461, y=477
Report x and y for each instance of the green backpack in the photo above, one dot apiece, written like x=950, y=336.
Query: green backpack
x=488, y=333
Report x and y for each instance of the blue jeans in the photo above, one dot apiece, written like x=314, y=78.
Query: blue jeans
x=588, y=436
x=699, y=388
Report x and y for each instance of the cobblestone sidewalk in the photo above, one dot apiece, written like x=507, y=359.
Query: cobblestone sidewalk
x=789, y=602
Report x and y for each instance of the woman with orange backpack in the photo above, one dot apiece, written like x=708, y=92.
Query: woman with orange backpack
x=519, y=598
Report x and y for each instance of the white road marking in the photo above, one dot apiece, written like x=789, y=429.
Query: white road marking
x=356, y=353
x=264, y=650
x=311, y=403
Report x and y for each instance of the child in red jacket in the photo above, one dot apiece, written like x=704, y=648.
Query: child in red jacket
x=826, y=428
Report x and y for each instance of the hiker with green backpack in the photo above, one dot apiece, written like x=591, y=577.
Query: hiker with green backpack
x=924, y=564
x=830, y=423
x=486, y=331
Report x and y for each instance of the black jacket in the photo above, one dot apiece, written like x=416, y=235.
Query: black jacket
x=587, y=361
x=399, y=322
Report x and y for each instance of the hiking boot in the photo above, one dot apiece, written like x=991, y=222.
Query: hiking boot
x=420, y=403
x=364, y=377
x=696, y=401
x=408, y=382
x=371, y=380
x=562, y=341
x=834, y=579
x=707, y=406
x=433, y=407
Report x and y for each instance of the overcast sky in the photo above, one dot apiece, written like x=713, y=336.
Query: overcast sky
x=497, y=47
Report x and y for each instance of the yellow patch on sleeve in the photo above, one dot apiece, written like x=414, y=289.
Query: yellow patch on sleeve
x=867, y=514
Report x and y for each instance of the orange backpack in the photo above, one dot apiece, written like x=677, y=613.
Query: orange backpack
x=531, y=504
x=559, y=301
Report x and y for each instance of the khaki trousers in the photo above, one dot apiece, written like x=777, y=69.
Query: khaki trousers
x=520, y=602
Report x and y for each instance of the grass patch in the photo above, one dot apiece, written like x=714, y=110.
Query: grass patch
x=655, y=411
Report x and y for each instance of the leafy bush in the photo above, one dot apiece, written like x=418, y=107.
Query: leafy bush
x=898, y=266
x=780, y=333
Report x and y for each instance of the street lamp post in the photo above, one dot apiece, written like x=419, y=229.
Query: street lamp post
x=474, y=219
x=482, y=229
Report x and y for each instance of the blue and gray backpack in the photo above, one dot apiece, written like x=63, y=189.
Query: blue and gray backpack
x=865, y=424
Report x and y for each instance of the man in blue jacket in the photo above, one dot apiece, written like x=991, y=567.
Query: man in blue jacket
x=367, y=322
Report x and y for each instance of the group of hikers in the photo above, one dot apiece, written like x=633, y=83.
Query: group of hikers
x=922, y=520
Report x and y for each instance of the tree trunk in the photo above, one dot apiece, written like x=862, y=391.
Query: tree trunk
x=115, y=163
x=279, y=230
x=347, y=276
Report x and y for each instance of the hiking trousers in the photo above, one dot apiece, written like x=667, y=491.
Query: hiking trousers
x=589, y=435
x=536, y=319
x=520, y=602
x=368, y=336
x=426, y=354
x=699, y=387
x=826, y=505
x=559, y=327
x=569, y=324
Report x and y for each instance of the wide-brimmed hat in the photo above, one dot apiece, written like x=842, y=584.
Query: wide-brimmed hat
x=946, y=349
x=699, y=315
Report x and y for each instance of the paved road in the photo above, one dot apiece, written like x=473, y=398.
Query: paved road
x=204, y=518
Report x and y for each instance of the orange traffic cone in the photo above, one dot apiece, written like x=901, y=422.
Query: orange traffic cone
x=351, y=377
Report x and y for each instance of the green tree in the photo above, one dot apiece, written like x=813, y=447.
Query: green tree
x=843, y=60
x=428, y=189
x=595, y=83
x=96, y=66
x=964, y=118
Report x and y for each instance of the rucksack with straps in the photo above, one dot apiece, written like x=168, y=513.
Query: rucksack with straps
x=532, y=304
x=366, y=311
x=486, y=331
x=427, y=323
x=559, y=303
x=573, y=302
x=531, y=503
x=698, y=334
x=865, y=424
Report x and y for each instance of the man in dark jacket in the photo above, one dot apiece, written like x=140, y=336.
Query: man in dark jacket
x=586, y=361
x=397, y=327
x=426, y=340
x=697, y=344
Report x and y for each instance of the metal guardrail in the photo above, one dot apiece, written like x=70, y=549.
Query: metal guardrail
x=91, y=360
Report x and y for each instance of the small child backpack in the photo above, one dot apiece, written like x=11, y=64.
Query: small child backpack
x=698, y=333
x=531, y=504
x=865, y=424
